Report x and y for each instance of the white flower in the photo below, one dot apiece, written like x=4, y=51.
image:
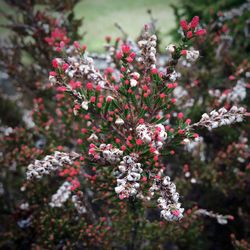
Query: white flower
x=119, y=121
x=168, y=201
x=166, y=181
x=142, y=43
x=186, y=141
x=136, y=75
x=93, y=137
x=119, y=189
x=122, y=168
x=61, y=196
x=71, y=73
x=222, y=117
x=129, y=177
x=101, y=84
x=133, y=82
x=171, y=48
x=153, y=50
x=173, y=76
x=49, y=163
x=85, y=105
x=153, y=38
x=52, y=80
x=75, y=111
x=78, y=202
x=234, y=109
x=192, y=55
x=24, y=206
x=193, y=180
x=109, y=97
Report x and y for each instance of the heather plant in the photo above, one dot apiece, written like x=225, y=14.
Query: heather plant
x=110, y=164
x=134, y=110
x=31, y=31
x=134, y=100
x=219, y=166
x=220, y=57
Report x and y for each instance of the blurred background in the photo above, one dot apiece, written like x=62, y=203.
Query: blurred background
x=100, y=17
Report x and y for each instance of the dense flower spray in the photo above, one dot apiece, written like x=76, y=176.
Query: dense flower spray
x=129, y=119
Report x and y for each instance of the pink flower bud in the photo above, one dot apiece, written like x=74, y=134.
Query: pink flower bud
x=133, y=55
x=201, y=32
x=138, y=142
x=76, y=45
x=129, y=59
x=195, y=21
x=55, y=63
x=154, y=71
x=52, y=73
x=189, y=34
x=79, y=141
x=119, y=55
x=65, y=66
x=92, y=99
x=180, y=115
x=125, y=49
x=89, y=86
x=184, y=25
x=184, y=52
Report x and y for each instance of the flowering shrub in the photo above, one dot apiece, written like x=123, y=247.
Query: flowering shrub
x=216, y=169
x=30, y=42
x=135, y=105
x=119, y=150
x=134, y=101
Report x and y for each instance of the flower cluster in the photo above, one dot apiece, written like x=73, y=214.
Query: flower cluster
x=191, y=29
x=235, y=95
x=129, y=114
x=78, y=202
x=61, y=195
x=221, y=117
x=152, y=134
x=148, y=50
x=221, y=219
x=191, y=55
x=58, y=35
x=128, y=177
x=105, y=153
x=49, y=164
x=77, y=66
x=168, y=201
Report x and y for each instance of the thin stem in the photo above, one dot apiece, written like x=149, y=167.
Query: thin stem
x=133, y=206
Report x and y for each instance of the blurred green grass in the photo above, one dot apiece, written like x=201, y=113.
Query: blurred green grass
x=100, y=16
